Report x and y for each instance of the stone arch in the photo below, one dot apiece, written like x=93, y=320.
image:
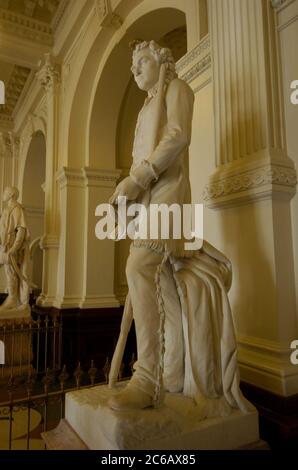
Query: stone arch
x=94, y=89
x=115, y=79
x=35, y=125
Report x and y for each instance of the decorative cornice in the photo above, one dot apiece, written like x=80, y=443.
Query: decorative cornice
x=105, y=14
x=260, y=183
x=49, y=73
x=95, y=176
x=49, y=242
x=70, y=177
x=195, y=62
x=202, y=48
x=26, y=27
x=87, y=177
x=197, y=69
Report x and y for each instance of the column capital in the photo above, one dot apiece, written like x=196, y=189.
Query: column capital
x=10, y=144
x=105, y=14
x=48, y=74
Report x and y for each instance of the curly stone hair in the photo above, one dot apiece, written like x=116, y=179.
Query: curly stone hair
x=12, y=191
x=162, y=55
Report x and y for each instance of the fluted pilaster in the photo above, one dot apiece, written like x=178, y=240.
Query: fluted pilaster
x=249, y=117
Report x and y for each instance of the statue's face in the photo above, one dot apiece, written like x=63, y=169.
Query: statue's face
x=6, y=196
x=145, y=69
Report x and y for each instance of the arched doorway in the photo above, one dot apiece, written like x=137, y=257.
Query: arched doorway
x=33, y=201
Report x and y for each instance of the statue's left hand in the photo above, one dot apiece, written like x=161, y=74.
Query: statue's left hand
x=127, y=188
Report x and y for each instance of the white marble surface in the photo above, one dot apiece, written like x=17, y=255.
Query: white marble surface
x=176, y=425
x=24, y=311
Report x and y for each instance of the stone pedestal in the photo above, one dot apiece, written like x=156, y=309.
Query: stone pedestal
x=10, y=314
x=175, y=425
x=17, y=338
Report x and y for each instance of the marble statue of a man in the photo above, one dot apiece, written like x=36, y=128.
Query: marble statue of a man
x=14, y=250
x=184, y=327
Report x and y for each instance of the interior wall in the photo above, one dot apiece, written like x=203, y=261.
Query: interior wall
x=33, y=198
x=202, y=147
x=289, y=35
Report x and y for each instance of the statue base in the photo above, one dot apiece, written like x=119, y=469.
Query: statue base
x=19, y=313
x=89, y=423
x=17, y=339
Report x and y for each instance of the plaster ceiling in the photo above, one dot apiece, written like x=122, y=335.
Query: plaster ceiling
x=41, y=10
x=26, y=32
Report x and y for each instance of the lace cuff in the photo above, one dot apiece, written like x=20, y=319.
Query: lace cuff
x=144, y=174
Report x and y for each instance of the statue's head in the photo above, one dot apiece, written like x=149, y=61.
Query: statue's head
x=11, y=192
x=146, y=61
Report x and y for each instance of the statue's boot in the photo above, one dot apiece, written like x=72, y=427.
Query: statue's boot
x=131, y=398
x=9, y=303
x=11, y=300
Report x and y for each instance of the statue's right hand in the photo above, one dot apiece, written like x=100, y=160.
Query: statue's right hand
x=114, y=197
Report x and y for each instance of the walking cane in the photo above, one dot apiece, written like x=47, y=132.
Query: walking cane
x=127, y=317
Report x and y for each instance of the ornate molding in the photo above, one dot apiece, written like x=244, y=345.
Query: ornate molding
x=70, y=177
x=26, y=27
x=49, y=242
x=49, y=73
x=195, y=62
x=95, y=177
x=10, y=144
x=259, y=183
x=105, y=14
x=87, y=177
x=197, y=69
x=201, y=49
